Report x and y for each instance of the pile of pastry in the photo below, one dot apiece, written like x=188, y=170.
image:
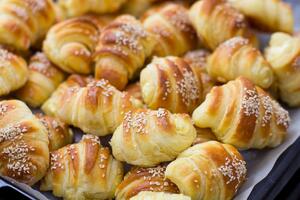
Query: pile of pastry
x=180, y=85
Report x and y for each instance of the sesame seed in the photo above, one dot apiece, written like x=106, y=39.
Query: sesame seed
x=250, y=103
x=136, y=121
x=107, y=89
x=12, y=132
x=282, y=116
x=3, y=109
x=267, y=104
x=161, y=113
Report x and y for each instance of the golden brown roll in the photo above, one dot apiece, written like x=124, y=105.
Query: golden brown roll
x=210, y=170
x=14, y=72
x=24, y=152
x=149, y=137
x=43, y=79
x=140, y=179
x=84, y=170
x=283, y=54
x=237, y=57
x=159, y=196
x=23, y=23
x=70, y=44
x=242, y=114
x=173, y=30
x=96, y=108
x=171, y=83
x=59, y=133
x=135, y=90
x=122, y=50
x=204, y=135
x=216, y=21
x=138, y=7
x=268, y=15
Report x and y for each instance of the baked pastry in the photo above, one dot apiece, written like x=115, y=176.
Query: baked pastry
x=171, y=83
x=59, y=133
x=43, y=79
x=135, y=90
x=242, y=114
x=283, y=54
x=204, y=135
x=138, y=7
x=210, y=170
x=70, y=44
x=159, y=196
x=268, y=15
x=237, y=57
x=24, y=152
x=14, y=72
x=149, y=137
x=85, y=170
x=74, y=8
x=25, y=22
x=97, y=108
x=173, y=30
x=122, y=50
x=216, y=21
x=141, y=179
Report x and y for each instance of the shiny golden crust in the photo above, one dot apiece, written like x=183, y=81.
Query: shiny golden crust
x=96, y=108
x=268, y=15
x=24, y=22
x=216, y=21
x=24, y=153
x=43, y=79
x=241, y=114
x=83, y=171
x=283, y=54
x=14, y=72
x=70, y=44
x=237, y=57
x=122, y=50
x=171, y=83
x=159, y=196
x=74, y=8
x=173, y=30
x=135, y=90
x=59, y=133
x=204, y=135
x=210, y=170
x=138, y=7
x=144, y=179
x=148, y=137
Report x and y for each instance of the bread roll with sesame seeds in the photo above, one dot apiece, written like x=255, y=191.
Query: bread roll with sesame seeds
x=138, y=7
x=283, y=54
x=216, y=21
x=122, y=50
x=23, y=23
x=237, y=57
x=172, y=83
x=209, y=170
x=96, y=107
x=242, y=114
x=13, y=73
x=159, y=196
x=172, y=28
x=268, y=15
x=140, y=179
x=59, y=133
x=149, y=137
x=70, y=44
x=24, y=152
x=135, y=90
x=43, y=79
x=84, y=170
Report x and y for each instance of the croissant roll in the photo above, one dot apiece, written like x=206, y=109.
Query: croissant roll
x=173, y=84
x=84, y=170
x=173, y=30
x=122, y=50
x=24, y=142
x=210, y=170
x=24, y=22
x=237, y=57
x=43, y=79
x=97, y=108
x=159, y=196
x=14, y=72
x=138, y=7
x=135, y=90
x=70, y=44
x=74, y=8
x=216, y=21
x=149, y=137
x=283, y=54
x=141, y=179
x=242, y=114
x=268, y=15
x=59, y=133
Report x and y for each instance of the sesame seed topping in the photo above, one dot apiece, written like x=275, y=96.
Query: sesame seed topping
x=282, y=116
x=168, y=90
x=5, y=56
x=267, y=104
x=20, y=12
x=250, y=103
x=95, y=140
x=136, y=121
x=54, y=161
x=180, y=20
x=3, y=109
x=161, y=113
x=107, y=89
x=233, y=42
x=12, y=132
